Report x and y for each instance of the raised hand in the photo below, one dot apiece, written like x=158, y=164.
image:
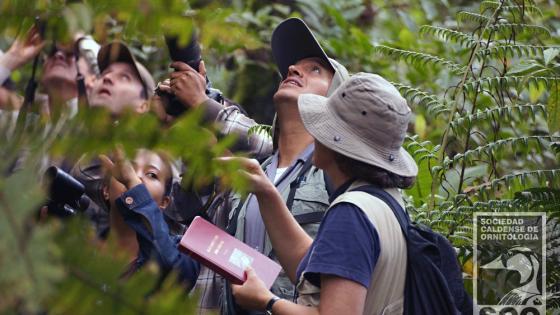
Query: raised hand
x=121, y=169
x=250, y=169
x=23, y=49
x=188, y=85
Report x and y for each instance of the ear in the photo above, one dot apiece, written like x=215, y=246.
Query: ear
x=164, y=202
x=143, y=107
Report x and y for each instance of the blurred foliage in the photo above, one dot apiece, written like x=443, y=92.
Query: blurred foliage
x=481, y=77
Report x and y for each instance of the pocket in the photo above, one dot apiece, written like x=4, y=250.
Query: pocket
x=308, y=294
x=310, y=203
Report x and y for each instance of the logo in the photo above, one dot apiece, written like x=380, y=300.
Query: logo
x=510, y=264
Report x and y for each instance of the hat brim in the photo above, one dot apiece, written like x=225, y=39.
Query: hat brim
x=293, y=41
x=324, y=126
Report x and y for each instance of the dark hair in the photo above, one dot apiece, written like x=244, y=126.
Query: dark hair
x=372, y=174
x=144, y=92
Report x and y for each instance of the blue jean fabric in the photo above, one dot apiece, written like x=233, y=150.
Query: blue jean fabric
x=152, y=232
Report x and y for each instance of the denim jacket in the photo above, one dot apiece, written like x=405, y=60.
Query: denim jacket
x=142, y=214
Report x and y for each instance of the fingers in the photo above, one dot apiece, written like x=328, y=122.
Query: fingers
x=202, y=69
x=246, y=163
x=178, y=74
x=165, y=88
x=250, y=272
x=181, y=66
x=119, y=154
x=106, y=163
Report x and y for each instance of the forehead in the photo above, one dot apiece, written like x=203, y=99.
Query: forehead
x=121, y=67
x=314, y=61
x=146, y=158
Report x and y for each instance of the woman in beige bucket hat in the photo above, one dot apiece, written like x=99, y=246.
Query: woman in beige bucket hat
x=357, y=263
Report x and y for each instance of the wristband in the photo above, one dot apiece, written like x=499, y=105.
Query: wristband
x=271, y=302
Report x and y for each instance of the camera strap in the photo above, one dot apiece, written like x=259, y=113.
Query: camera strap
x=80, y=80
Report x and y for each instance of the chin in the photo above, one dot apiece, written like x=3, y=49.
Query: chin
x=57, y=77
x=285, y=95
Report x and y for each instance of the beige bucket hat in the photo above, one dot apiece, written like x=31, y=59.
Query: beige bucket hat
x=365, y=119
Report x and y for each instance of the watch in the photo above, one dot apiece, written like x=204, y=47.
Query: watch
x=271, y=302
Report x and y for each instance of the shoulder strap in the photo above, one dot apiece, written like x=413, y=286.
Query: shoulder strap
x=402, y=218
x=294, y=185
x=232, y=223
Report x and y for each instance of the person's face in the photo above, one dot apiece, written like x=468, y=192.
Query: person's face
x=59, y=68
x=154, y=173
x=118, y=88
x=309, y=75
x=323, y=157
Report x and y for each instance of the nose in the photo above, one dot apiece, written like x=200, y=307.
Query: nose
x=107, y=78
x=294, y=70
x=59, y=55
x=140, y=175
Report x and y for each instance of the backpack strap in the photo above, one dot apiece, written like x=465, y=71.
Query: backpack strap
x=304, y=218
x=402, y=217
x=296, y=183
x=231, y=227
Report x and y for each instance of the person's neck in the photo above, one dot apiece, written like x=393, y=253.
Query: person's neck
x=293, y=138
x=60, y=93
x=337, y=177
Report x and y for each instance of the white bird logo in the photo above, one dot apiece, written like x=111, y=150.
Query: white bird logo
x=526, y=263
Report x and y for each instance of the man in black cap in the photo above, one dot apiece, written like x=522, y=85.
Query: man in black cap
x=305, y=68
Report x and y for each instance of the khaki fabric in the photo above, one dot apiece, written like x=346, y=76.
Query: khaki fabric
x=311, y=196
x=386, y=292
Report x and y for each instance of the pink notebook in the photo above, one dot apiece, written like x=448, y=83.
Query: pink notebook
x=225, y=254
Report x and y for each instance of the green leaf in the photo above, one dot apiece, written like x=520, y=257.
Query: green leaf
x=420, y=126
x=550, y=54
x=553, y=110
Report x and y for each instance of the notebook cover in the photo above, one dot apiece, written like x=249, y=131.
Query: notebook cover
x=225, y=254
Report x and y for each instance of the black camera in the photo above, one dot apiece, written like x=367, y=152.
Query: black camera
x=66, y=194
x=189, y=54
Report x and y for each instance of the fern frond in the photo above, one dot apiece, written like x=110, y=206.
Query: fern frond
x=465, y=16
x=417, y=58
x=545, y=177
x=415, y=96
x=494, y=146
x=449, y=35
x=510, y=50
x=508, y=29
x=542, y=199
x=421, y=150
x=517, y=82
x=260, y=129
x=514, y=9
x=505, y=113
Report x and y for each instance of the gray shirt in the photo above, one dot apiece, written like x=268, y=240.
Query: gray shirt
x=254, y=226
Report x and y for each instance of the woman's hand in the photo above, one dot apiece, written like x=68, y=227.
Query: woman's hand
x=250, y=169
x=23, y=49
x=121, y=170
x=253, y=294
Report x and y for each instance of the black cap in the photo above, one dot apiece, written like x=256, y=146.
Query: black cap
x=293, y=41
